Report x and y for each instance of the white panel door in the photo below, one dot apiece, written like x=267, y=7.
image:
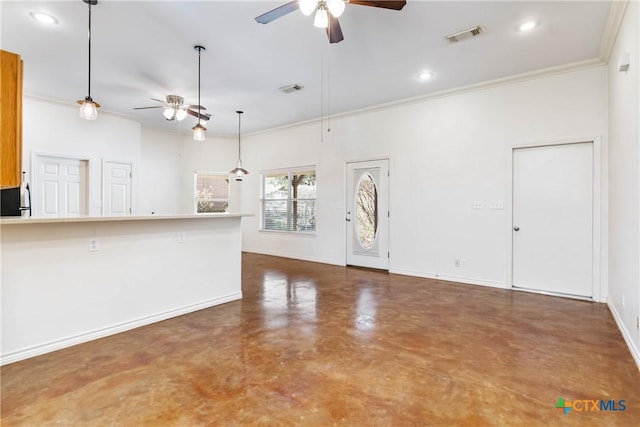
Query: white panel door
x=553, y=219
x=117, y=188
x=61, y=187
x=368, y=214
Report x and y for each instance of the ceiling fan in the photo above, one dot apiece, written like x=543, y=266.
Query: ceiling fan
x=174, y=109
x=327, y=12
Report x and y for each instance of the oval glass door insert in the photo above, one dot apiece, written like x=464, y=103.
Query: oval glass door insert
x=367, y=211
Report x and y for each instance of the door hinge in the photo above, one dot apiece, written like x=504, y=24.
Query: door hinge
x=388, y=254
x=130, y=175
x=388, y=214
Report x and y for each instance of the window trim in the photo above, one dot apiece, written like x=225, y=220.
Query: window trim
x=215, y=199
x=289, y=171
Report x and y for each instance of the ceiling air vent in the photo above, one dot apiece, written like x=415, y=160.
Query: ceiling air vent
x=464, y=34
x=290, y=88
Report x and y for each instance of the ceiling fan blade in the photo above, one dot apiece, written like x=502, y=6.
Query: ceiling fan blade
x=334, y=31
x=199, y=116
x=195, y=107
x=278, y=12
x=146, y=108
x=385, y=4
x=155, y=99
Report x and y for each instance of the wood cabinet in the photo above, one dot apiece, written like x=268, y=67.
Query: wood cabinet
x=10, y=120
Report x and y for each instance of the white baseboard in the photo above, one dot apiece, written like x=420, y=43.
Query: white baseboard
x=293, y=256
x=112, y=330
x=635, y=352
x=465, y=280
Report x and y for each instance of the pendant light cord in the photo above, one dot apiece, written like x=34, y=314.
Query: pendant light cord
x=89, y=89
x=199, y=105
x=321, y=97
x=239, y=127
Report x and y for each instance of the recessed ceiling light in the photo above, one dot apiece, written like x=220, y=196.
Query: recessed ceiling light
x=425, y=75
x=44, y=18
x=527, y=26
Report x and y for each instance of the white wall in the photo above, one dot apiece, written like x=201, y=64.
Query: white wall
x=444, y=153
x=55, y=129
x=624, y=180
x=169, y=160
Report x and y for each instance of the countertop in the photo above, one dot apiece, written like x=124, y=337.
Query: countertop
x=42, y=220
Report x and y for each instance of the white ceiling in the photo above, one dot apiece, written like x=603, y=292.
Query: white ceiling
x=144, y=49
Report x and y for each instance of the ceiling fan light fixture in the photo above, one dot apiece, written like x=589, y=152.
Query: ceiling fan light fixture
x=169, y=113
x=307, y=6
x=321, y=19
x=181, y=114
x=336, y=7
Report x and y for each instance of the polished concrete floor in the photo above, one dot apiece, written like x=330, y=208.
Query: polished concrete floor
x=320, y=345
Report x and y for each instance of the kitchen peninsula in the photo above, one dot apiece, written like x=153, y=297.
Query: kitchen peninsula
x=70, y=280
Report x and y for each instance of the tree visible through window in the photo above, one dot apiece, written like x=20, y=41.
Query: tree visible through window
x=211, y=192
x=289, y=200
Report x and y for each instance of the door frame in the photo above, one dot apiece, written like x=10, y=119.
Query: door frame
x=597, y=226
x=34, y=175
x=346, y=203
x=104, y=183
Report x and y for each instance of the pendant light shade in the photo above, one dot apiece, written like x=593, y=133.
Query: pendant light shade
x=307, y=6
x=169, y=113
x=199, y=129
x=199, y=132
x=322, y=9
x=181, y=114
x=239, y=171
x=172, y=113
x=88, y=107
x=321, y=19
x=336, y=7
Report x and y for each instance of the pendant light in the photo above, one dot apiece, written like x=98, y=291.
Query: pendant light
x=199, y=130
x=88, y=107
x=239, y=171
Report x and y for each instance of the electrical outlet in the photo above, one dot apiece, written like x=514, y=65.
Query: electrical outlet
x=94, y=245
x=456, y=262
x=477, y=204
x=496, y=204
x=182, y=237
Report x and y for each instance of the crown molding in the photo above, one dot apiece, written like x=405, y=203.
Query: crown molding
x=611, y=28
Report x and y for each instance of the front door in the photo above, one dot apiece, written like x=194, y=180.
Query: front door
x=553, y=219
x=367, y=214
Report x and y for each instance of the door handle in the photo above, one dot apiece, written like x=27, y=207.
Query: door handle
x=516, y=228
x=348, y=219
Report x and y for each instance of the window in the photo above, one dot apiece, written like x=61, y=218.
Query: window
x=211, y=192
x=289, y=202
